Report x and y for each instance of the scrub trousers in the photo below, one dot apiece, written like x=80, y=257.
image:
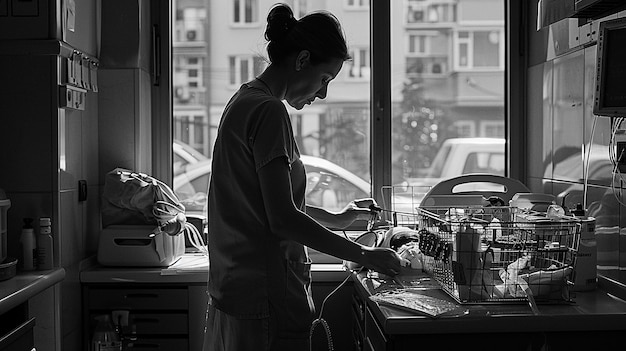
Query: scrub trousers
x=228, y=333
x=286, y=329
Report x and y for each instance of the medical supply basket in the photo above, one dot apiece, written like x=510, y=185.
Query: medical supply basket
x=482, y=254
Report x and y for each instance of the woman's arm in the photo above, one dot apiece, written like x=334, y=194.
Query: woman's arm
x=289, y=222
x=341, y=219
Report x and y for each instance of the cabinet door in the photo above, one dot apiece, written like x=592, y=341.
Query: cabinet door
x=375, y=338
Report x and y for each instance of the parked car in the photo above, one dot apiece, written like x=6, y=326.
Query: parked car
x=328, y=185
x=184, y=154
x=457, y=156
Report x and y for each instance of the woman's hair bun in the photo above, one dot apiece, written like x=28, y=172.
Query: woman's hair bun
x=279, y=21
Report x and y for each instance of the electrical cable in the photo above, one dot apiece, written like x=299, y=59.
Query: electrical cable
x=615, y=159
x=170, y=216
x=322, y=321
x=587, y=162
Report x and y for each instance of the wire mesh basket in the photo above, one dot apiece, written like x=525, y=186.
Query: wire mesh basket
x=497, y=254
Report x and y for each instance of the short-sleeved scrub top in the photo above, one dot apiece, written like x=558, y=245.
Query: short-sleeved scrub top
x=251, y=268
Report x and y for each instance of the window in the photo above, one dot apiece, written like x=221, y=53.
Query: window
x=359, y=67
x=418, y=44
x=466, y=129
x=245, y=11
x=188, y=80
x=447, y=84
x=430, y=11
x=357, y=4
x=435, y=54
x=491, y=129
x=427, y=53
x=479, y=49
x=244, y=68
x=189, y=25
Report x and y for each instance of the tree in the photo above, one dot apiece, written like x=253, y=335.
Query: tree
x=419, y=127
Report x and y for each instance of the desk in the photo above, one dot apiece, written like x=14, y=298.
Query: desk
x=595, y=320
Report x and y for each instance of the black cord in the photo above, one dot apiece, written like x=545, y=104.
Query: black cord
x=322, y=321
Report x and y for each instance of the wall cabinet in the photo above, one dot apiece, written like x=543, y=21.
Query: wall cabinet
x=151, y=316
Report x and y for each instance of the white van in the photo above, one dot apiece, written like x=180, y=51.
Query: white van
x=459, y=156
x=468, y=155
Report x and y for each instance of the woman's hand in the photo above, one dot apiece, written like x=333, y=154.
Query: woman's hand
x=381, y=260
x=360, y=209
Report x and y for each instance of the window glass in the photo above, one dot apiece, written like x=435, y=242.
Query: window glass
x=333, y=134
x=447, y=84
x=447, y=90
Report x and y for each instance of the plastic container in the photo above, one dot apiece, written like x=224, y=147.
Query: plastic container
x=29, y=245
x=8, y=268
x=44, y=244
x=4, y=207
x=104, y=336
x=585, y=269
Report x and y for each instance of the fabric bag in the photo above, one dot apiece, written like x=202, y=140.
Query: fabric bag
x=137, y=198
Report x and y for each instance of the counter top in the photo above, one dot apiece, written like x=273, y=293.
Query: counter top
x=189, y=269
x=592, y=310
x=25, y=285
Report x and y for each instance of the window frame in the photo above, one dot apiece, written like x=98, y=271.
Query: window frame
x=255, y=21
x=470, y=67
x=380, y=93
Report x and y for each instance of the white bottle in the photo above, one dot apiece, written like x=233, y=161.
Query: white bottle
x=29, y=246
x=44, y=244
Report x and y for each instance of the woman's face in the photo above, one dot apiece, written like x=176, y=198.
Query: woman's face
x=310, y=82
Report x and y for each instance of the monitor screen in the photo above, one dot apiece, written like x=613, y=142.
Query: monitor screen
x=610, y=93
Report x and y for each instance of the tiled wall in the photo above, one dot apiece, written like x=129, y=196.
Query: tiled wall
x=561, y=81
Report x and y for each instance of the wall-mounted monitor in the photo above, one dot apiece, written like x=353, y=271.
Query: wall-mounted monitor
x=610, y=93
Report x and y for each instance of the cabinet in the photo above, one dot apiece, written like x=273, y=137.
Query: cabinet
x=16, y=330
x=595, y=321
x=151, y=316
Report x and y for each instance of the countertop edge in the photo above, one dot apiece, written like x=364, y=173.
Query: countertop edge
x=97, y=274
x=593, y=311
x=25, y=285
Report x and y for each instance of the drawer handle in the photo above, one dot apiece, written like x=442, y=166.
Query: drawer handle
x=143, y=345
x=145, y=320
x=140, y=296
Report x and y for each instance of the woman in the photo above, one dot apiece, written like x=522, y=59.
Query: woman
x=259, y=225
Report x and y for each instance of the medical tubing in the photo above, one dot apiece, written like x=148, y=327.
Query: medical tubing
x=322, y=321
x=167, y=211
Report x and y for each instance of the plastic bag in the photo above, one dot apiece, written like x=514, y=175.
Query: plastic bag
x=137, y=198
